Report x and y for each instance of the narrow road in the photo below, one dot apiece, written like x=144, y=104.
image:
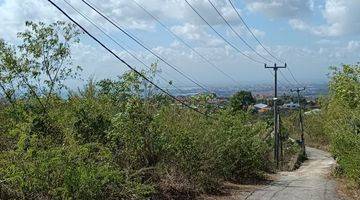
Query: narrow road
x=309, y=182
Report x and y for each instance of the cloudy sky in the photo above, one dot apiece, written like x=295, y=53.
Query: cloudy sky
x=310, y=35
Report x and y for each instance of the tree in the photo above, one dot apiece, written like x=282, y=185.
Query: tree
x=8, y=67
x=345, y=85
x=41, y=62
x=241, y=100
x=131, y=85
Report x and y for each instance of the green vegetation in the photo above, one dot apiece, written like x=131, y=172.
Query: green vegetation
x=343, y=119
x=241, y=101
x=337, y=126
x=122, y=139
x=114, y=139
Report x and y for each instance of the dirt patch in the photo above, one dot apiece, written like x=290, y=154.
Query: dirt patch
x=239, y=191
x=293, y=162
x=232, y=191
x=346, y=190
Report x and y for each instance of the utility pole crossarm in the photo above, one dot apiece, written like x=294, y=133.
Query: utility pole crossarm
x=275, y=66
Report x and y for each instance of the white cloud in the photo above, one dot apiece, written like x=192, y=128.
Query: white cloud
x=328, y=42
x=299, y=25
x=281, y=8
x=14, y=13
x=353, y=45
x=342, y=18
x=243, y=31
x=124, y=12
x=197, y=34
x=189, y=26
x=258, y=33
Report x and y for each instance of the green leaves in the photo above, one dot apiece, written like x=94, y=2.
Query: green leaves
x=345, y=85
x=342, y=119
x=241, y=101
x=40, y=64
x=69, y=173
x=115, y=139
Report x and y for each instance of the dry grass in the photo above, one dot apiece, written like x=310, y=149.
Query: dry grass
x=239, y=191
x=347, y=190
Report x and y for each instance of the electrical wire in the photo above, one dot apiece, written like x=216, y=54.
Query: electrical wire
x=237, y=34
x=118, y=44
x=185, y=43
x=260, y=43
x=284, y=77
x=145, y=47
x=252, y=33
x=222, y=37
x=124, y=62
x=293, y=77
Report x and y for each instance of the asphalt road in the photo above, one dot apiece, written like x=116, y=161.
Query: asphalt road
x=309, y=182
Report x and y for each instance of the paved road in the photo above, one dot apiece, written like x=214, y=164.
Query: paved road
x=309, y=182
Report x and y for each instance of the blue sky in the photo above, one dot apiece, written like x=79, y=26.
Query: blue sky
x=310, y=35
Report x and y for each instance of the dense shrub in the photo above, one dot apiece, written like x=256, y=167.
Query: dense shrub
x=169, y=143
x=72, y=172
x=343, y=119
x=209, y=151
x=115, y=139
x=202, y=150
x=315, y=134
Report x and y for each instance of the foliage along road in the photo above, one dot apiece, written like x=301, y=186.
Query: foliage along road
x=309, y=182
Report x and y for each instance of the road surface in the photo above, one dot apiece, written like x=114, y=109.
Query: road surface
x=309, y=182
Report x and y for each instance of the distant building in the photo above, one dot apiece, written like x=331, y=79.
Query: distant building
x=291, y=106
x=314, y=111
x=260, y=107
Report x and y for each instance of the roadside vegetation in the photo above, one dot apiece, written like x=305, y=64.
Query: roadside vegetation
x=336, y=127
x=342, y=122
x=122, y=139
x=112, y=139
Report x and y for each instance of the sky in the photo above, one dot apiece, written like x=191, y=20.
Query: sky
x=310, y=35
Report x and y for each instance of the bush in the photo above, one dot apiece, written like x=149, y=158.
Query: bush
x=115, y=139
x=343, y=119
x=79, y=172
x=207, y=152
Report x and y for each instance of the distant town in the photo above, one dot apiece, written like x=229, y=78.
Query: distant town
x=263, y=95
x=313, y=90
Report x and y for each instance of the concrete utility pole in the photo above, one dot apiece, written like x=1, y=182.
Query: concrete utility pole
x=281, y=135
x=276, y=113
x=298, y=90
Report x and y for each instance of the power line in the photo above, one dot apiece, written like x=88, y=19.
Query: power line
x=185, y=43
x=123, y=61
x=260, y=43
x=237, y=34
x=229, y=26
x=117, y=43
x=282, y=84
x=293, y=77
x=222, y=37
x=144, y=46
x=284, y=77
x=252, y=33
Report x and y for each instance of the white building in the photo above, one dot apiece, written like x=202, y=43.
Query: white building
x=291, y=106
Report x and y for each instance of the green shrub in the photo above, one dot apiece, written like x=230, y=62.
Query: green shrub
x=343, y=119
x=207, y=151
x=79, y=172
x=115, y=139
